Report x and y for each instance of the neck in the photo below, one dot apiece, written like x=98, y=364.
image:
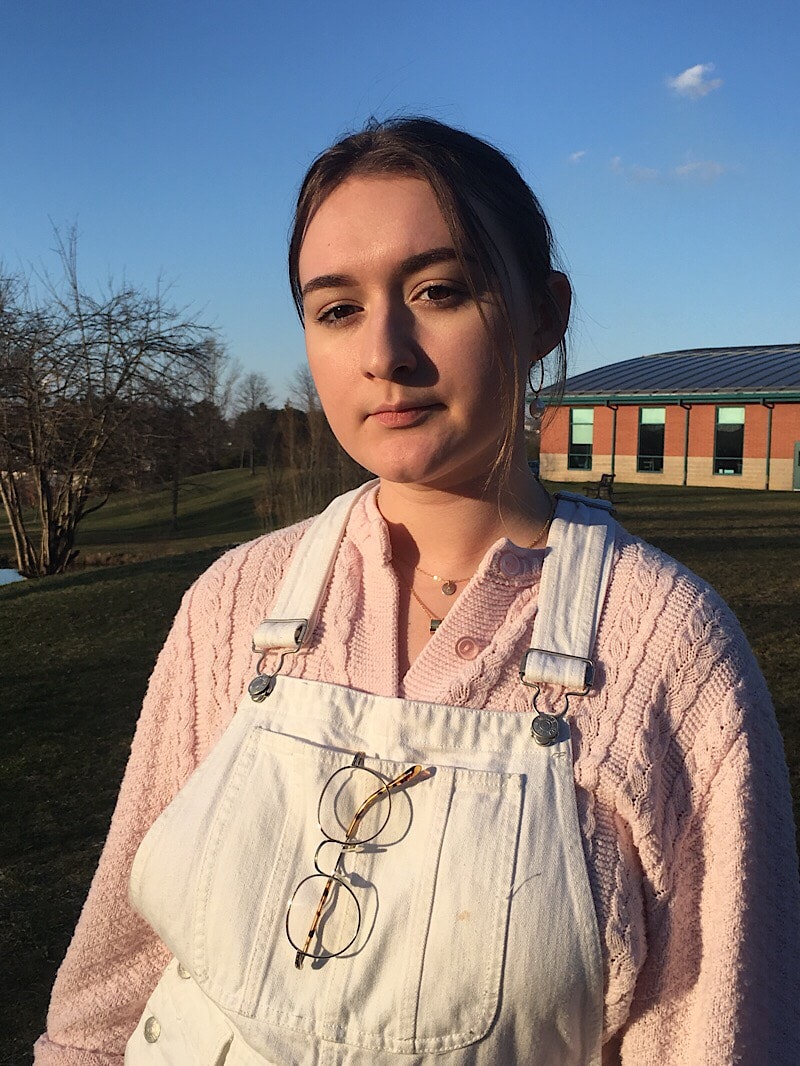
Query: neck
x=450, y=530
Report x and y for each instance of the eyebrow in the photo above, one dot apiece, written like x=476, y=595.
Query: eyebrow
x=412, y=265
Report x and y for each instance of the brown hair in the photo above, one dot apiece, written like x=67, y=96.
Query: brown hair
x=463, y=171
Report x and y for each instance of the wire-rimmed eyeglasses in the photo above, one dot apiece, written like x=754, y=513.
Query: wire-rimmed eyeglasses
x=354, y=807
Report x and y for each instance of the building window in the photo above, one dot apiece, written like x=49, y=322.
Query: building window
x=581, y=429
x=650, y=457
x=729, y=440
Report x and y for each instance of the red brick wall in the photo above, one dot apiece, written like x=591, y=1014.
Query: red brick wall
x=702, y=420
x=785, y=430
x=603, y=421
x=702, y=423
x=627, y=430
x=755, y=431
x=675, y=431
x=555, y=431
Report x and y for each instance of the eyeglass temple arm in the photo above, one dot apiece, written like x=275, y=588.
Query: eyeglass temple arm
x=298, y=960
x=390, y=786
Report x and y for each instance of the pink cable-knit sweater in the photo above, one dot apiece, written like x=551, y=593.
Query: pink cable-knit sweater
x=679, y=768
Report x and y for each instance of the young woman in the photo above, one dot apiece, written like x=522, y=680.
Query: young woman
x=515, y=772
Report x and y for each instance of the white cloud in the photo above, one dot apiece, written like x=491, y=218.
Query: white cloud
x=703, y=170
x=693, y=82
x=643, y=174
x=575, y=157
x=700, y=170
x=635, y=173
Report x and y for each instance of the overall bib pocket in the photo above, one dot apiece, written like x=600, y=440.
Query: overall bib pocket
x=433, y=888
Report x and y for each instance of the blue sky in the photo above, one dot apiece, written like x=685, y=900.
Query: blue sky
x=175, y=134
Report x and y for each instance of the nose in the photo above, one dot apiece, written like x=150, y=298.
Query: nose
x=389, y=347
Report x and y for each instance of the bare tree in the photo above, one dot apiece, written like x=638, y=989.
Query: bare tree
x=313, y=467
x=303, y=392
x=73, y=368
x=213, y=400
x=253, y=396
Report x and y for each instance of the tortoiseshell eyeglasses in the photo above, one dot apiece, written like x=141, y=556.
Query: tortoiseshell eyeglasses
x=354, y=807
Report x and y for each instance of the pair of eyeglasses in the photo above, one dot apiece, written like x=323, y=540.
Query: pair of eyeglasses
x=354, y=808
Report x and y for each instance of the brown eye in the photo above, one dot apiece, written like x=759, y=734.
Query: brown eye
x=442, y=294
x=337, y=313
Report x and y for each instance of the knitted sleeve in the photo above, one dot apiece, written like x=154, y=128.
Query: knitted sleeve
x=115, y=960
x=721, y=980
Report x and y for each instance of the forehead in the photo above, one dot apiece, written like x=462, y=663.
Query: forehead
x=370, y=217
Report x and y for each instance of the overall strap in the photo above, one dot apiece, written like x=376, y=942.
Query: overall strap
x=575, y=575
x=294, y=612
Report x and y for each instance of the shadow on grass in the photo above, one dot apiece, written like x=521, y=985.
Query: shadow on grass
x=76, y=651
x=75, y=654
x=106, y=576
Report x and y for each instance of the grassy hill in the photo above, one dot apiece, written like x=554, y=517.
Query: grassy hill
x=213, y=509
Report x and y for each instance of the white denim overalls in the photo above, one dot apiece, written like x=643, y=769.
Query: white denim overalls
x=478, y=942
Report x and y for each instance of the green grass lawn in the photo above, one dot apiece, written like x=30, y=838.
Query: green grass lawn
x=213, y=509
x=76, y=650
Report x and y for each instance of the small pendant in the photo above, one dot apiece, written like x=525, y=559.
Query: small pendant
x=448, y=588
x=435, y=623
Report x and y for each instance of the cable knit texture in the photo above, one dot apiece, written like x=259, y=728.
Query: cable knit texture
x=681, y=781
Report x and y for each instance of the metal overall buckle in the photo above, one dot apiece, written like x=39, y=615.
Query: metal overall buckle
x=545, y=726
x=263, y=683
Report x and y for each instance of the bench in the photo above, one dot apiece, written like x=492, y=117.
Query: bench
x=603, y=487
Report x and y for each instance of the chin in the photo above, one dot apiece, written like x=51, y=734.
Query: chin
x=442, y=478
x=443, y=467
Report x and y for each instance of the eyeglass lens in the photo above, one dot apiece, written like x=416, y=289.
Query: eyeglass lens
x=339, y=918
x=354, y=806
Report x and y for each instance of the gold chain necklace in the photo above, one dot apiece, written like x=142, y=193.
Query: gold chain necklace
x=450, y=584
x=435, y=622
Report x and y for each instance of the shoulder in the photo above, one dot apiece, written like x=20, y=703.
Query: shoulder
x=667, y=597
x=677, y=651
x=247, y=575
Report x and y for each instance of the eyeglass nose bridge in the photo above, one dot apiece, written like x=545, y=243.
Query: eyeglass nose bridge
x=339, y=850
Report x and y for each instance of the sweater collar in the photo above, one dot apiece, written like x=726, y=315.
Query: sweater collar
x=505, y=563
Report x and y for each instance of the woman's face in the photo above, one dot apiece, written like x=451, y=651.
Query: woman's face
x=402, y=360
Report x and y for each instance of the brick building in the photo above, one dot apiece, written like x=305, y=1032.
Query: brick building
x=710, y=416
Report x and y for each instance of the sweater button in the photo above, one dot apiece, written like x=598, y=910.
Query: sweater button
x=152, y=1030
x=183, y=973
x=467, y=648
x=510, y=564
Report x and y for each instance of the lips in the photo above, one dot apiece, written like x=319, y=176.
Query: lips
x=402, y=415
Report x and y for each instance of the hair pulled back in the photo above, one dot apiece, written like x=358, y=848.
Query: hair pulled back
x=464, y=172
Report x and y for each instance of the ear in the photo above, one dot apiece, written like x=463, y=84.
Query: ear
x=553, y=313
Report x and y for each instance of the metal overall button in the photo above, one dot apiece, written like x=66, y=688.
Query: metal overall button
x=544, y=729
x=260, y=687
x=152, y=1029
x=263, y=684
x=183, y=973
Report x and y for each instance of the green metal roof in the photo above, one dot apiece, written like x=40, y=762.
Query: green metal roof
x=703, y=375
